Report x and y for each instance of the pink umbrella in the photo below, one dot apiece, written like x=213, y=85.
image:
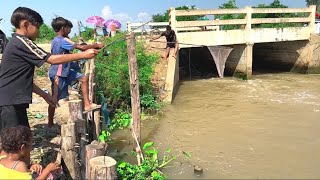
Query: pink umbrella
x=97, y=20
x=113, y=22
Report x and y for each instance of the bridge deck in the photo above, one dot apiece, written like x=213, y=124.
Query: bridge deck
x=229, y=37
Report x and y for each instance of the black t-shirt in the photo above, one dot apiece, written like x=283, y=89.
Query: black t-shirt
x=170, y=36
x=17, y=68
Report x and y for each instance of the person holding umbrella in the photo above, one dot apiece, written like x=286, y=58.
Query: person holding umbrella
x=113, y=25
x=97, y=21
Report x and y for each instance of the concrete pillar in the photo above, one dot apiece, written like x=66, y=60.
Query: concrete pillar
x=129, y=27
x=239, y=62
x=172, y=80
x=172, y=19
x=248, y=60
x=312, y=24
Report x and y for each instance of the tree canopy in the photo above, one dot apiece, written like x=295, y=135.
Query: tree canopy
x=46, y=33
x=275, y=4
x=313, y=2
x=165, y=16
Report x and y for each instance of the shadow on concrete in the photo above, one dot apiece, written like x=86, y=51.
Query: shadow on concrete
x=277, y=57
x=196, y=63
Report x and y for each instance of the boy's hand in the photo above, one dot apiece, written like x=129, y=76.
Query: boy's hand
x=50, y=100
x=90, y=53
x=99, y=46
x=52, y=167
x=36, y=168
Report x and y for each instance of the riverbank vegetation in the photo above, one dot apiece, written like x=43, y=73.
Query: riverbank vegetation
x=112, y=78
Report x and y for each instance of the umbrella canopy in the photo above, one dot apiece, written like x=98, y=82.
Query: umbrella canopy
x=112, y=22
x=97, y=20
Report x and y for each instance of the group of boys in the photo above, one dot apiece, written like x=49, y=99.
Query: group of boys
x=20, y=57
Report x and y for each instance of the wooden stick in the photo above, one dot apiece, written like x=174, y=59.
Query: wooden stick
x=92, y=150
x=134, y=87
x=103, y=167
x=75, y=110
x=83, y=141
x=97, y=126
x=91, y=80
x=68, y=150
x=83, y=144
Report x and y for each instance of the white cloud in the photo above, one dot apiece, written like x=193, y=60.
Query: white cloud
x=106, y=11
x=108, y=14
x=143, y=17
x=74, y=21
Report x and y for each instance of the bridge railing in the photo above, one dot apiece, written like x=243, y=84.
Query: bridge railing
x=247, y=27
x=248, y=19
x=147, y=28
x=160, y=27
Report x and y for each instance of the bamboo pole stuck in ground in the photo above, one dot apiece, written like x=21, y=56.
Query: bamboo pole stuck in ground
x=103, y=167
x=134, y=90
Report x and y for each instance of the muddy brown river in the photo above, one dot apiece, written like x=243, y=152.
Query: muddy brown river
x=267, y=127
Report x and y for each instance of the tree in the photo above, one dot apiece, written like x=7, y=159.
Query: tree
x=87, y=34
x=46, y=33
x=313, y=2
x=276, y=4
x=165, y=17
x=231, y=4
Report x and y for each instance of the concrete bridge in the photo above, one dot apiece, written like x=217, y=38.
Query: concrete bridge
x=297, y=43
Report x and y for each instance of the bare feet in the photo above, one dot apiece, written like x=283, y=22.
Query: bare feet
x=91, y=107
x=174, y=56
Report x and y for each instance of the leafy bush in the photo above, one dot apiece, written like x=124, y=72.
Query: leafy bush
x=46, y=34
x=165, y=16
x=87, y=34
x=120, y=120
x=150, y=167
x=112, y=74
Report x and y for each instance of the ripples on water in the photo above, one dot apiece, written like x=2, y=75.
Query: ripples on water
x=267, y=127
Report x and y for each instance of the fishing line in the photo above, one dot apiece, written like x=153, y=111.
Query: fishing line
x=196, y=45
x=190, y=64
x=123, y=37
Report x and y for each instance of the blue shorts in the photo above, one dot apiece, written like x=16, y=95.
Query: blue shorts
x=62, y=83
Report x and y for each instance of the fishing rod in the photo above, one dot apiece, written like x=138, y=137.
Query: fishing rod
x=121, y=38
x=198, y=45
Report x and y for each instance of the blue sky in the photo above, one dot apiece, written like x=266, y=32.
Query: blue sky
x=123, y=10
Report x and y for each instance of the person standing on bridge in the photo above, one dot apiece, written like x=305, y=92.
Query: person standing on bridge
x=171, y=41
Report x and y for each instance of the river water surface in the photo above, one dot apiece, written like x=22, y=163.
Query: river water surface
x=267, y=127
